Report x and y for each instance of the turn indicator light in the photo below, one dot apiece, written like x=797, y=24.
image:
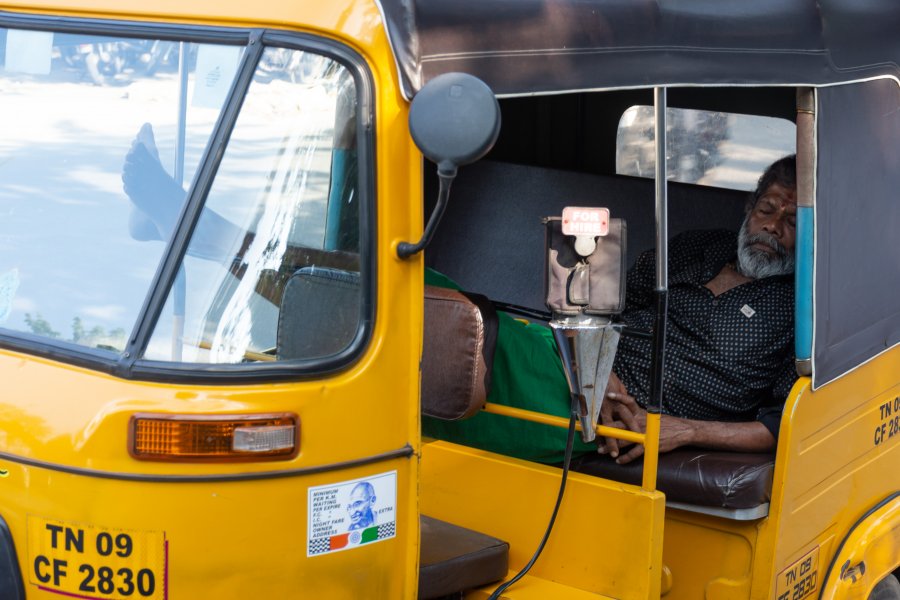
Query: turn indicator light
x=214, y=437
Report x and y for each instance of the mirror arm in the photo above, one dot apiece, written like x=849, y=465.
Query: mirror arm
x=446, y=175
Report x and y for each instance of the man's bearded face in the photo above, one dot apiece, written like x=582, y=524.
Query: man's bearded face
x=758, y=263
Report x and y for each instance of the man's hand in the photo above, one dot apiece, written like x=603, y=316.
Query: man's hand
x=622, y=411
x=613, y=411
x=673, y=432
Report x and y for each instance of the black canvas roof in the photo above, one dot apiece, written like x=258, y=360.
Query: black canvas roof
x=521, y=47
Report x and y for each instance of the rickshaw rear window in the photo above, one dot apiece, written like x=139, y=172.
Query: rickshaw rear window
x=718, y=149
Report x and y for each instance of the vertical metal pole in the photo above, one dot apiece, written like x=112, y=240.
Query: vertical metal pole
x=179, y=288
x=181, y=132
x=654, y=407
x=662, y=198
x=806, y=230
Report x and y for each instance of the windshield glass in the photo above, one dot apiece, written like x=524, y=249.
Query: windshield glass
x=280, y=226
x=78, y=253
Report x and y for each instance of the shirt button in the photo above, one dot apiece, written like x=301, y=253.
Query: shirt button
x=715, y=302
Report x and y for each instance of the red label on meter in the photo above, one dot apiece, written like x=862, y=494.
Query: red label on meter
x=585, y=221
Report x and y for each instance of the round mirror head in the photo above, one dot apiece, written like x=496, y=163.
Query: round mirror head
x=454, y=120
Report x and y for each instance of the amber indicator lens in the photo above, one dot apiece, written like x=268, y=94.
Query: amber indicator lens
x=163, y=437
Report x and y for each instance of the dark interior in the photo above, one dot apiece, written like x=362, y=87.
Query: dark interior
x=491, y=239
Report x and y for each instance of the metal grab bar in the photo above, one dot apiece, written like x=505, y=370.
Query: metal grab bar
x=536, y=417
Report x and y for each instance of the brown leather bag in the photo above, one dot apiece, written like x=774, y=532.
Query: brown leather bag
x=594, y=285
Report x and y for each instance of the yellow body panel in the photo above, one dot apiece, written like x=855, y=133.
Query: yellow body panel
x=234, y=539
x=829, y=474
x=226, y=540
x=830, y=470
x=535, y=588
x=708, y=557
x=606, y=539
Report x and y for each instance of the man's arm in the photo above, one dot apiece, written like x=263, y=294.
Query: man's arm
x=675, y=432
x=751, y=436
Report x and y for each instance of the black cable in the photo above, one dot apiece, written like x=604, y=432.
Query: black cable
x=543, y=315
x=570, y=443
x=523, y=311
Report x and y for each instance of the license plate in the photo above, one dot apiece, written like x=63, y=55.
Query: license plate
x=97, y=563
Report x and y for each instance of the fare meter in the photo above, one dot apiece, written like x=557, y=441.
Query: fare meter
x=585, y=287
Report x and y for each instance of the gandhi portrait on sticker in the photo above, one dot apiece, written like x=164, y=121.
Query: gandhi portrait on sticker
x=362, y=499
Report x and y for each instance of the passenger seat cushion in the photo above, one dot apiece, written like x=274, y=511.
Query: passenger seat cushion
x=319, y=313
x=733, y=480
x=458, y=353
x=454, y=559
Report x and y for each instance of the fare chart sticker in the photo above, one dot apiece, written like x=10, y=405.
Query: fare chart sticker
x=578, y=220
x=350, y=514
x=216, y=68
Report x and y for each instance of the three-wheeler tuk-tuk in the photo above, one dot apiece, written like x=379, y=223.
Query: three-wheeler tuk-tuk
x=218, y=351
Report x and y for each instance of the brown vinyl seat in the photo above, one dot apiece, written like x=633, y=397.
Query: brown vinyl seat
x=729, y=484
x=453, y=559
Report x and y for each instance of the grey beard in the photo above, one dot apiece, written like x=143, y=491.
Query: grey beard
x=758, y=264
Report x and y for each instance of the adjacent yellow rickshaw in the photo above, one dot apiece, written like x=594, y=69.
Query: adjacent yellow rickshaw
x=213, y=315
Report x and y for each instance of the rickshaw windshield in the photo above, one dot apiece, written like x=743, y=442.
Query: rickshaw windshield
x=282, y=213
x=100, y=138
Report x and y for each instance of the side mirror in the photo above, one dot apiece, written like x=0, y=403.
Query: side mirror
x=454, y=120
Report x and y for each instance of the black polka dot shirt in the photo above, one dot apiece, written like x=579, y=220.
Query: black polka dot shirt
x=728, y=358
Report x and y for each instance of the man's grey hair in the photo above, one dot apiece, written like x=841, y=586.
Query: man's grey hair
x=783, y=172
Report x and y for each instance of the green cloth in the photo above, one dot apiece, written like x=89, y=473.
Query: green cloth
x=527, y=374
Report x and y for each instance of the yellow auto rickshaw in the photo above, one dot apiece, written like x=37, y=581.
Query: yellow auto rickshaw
x=217, y=345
